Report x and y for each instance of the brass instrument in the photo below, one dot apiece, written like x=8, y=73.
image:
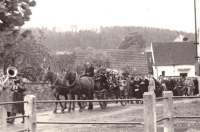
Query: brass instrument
x=10, y=72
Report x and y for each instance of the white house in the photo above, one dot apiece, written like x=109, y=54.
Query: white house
x=173, y=58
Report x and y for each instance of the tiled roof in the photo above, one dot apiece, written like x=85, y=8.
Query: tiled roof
x=174, y=53
x=133, y=57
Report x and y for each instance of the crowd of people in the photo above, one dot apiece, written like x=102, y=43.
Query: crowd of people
x=13, y=90
x=180, y=86
x=137, y=85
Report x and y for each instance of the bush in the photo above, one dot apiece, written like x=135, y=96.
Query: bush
x=42, y=92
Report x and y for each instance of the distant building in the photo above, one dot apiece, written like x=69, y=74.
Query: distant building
x=173, y=58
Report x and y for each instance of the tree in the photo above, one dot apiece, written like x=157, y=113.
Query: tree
x=28, y=56
x=64, y=61
x=98, y=58
x=13, y=14
x=133, y=39
x=128, y=69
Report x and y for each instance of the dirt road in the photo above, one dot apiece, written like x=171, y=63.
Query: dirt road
x=112, y=113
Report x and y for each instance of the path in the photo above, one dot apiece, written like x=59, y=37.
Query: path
x=112, y=113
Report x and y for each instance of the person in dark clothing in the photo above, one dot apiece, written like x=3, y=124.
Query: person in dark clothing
x=196, y=90
x=171, y=84
x=175, y=90
x=131, y=90
x=18, y=95
x=179, y=86
x=137, y=87
x=144, y=85
x=89, y=72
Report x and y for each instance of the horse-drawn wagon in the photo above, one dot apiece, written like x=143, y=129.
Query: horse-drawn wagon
x=106, y=84
x=110, y=84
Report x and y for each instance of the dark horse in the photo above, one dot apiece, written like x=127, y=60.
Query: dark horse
x=79, y=86
x=57, y=88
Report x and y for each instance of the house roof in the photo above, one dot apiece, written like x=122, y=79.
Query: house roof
x=133, y=57
x=174, y=53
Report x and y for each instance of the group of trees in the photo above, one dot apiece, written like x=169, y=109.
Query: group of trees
x=32, y=50
x=64, y=61
x=105, y=37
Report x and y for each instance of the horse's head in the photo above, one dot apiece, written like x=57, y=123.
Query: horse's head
x=47, y=75
x=69, y=76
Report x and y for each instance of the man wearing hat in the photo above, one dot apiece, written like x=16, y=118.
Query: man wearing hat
x=89, y=72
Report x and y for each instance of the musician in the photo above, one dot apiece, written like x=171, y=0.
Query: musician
x=6, y=94
x=18, y=95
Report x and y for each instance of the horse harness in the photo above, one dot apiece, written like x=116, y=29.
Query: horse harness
x=75, y=80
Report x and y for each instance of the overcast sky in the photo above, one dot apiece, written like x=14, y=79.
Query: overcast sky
x=87, y=14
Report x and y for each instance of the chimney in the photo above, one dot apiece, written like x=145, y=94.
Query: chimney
x=181, y=38
x=185, y=39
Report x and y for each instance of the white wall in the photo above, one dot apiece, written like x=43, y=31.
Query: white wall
x=173, y=70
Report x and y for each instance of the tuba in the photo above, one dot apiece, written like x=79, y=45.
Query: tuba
x=10, y=72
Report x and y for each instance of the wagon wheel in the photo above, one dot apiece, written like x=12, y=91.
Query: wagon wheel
x=84, y=104
x=104, y=96
x=123, y=95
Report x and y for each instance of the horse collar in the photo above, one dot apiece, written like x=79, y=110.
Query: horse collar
x=75, y=80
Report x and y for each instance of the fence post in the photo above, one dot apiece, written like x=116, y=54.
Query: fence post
x=3, y=116
x=198, y=79
x=30, y=110
x=149, y=112
x=168, y=111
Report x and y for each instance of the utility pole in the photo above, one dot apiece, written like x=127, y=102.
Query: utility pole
x=197, y=66
x=195, y=21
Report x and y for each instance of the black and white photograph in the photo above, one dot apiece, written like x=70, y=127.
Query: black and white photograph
x=99, y=66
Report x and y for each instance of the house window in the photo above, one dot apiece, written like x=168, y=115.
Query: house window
x=163, y=73
x=183, y=74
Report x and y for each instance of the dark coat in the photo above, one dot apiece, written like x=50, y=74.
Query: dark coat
x=179, y=86
x=144, y=86
x=196, y=90
x=89, y=71
x=18, y=95
x=137, y=88
x=171, y=85
x=131, y=89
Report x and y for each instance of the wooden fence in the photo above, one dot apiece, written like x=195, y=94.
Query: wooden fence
x=150, y=121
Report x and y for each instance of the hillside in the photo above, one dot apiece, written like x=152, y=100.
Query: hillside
x=106, y=38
